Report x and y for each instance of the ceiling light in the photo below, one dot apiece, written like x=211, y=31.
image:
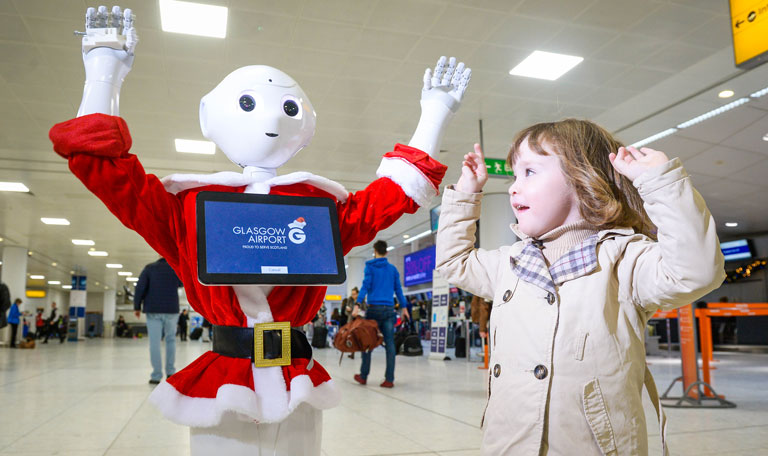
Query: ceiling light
x=418, y=236
x=99, y=253
x=54, y=264
x=765, y=137
x=193, y=18
x=66, y=287
x=406, y=236
x=759, y=93
x=653, y=138
x=54, y=282
x=124, y=273
x=13, y=187
x=390, y=248
x=731, y=224
x=726, y=94
x=191, y=146
x=83, y=242
x=106, y=287
x=132, y=279
x=54, y=221
x=37, y=277
x=545, y=65
x=114, y=265
x=713, y=113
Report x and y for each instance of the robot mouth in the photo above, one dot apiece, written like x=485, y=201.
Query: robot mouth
x=271, y=135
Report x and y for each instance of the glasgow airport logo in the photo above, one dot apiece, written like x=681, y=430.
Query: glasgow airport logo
x=296, y=234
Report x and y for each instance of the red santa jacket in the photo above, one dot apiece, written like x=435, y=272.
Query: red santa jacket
x=97, y=146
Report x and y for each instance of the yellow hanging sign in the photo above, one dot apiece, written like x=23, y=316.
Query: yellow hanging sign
x=749, y=28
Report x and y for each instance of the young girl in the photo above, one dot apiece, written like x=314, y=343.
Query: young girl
x=571, y=299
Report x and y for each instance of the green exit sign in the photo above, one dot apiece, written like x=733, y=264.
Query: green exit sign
x=497, y=167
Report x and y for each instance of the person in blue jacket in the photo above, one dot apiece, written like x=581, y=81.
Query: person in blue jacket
x=157, y=290
x=14, y=315
x=380, y=283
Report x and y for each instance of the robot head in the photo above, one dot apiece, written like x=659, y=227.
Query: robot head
x=258, y=116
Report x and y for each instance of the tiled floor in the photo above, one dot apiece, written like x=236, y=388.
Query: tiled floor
x=90, y=398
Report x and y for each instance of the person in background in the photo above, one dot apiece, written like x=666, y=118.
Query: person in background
x=14, y=318
x=480, y=311
x=336, y=317
x=157, y=290
x=121, y=328
x=380, y=283
x=183, y=324
x=39, y=324
x=51, y=323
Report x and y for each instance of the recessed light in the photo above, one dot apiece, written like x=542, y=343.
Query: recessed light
x=37, y=277
x=83, y=242
x=726, y=94
x=418, y=236
x=13, y=187
x=54, y=221
x=132, y=279
x=124, y=273
x=54, y=264
x=114, y=265
x=390, y=248
x=193, y=18
x=406, y=236
x=66, y=287
x=545, y=65
x=191, y=146
x=98, y=253
x=54, y=282
x=29, y=253
x=731, y=224
x=765, y=137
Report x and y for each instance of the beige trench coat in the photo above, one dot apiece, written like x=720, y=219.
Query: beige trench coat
x=573, y=362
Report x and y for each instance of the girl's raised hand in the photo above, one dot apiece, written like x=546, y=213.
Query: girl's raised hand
x=632, y=162
x=474, y=175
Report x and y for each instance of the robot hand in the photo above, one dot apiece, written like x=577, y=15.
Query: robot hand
x=108, y=50
x=440, y=99
x=445, y=86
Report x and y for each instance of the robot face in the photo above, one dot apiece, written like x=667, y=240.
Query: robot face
x=258, y=116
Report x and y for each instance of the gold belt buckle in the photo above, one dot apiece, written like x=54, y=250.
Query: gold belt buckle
x=258, y=344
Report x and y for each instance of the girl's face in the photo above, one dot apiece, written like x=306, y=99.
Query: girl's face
x=540, y=197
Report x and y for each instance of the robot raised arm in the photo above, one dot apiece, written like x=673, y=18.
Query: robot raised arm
x=108, y=48
x=440, y=99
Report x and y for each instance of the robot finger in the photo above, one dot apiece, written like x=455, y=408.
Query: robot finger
x=116, y=18
x=465, y=77
x=102, y=16
x=449, y=72
x=428, y=79
x=128, y=18
x=439, y=68
x=457, y=74
x=90, y=18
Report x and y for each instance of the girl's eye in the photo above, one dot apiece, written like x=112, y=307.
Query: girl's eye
x=528, y=172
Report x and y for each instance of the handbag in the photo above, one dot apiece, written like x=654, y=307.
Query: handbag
x=358, y=335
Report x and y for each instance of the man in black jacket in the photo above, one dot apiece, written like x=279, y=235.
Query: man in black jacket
x=157, y=289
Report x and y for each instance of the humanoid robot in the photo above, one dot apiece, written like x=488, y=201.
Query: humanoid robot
x=259, y=117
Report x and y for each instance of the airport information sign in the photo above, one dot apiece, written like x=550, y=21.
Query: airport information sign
x=749, y=28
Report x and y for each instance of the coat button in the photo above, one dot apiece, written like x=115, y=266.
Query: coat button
x=550, y=298
x=507, y=295
x=497, y=370
x=539, y=372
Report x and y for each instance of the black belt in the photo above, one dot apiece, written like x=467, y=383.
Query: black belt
x=267, y=344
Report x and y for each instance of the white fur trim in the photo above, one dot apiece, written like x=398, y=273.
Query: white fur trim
x=207, y=412
x=176, y=183
x=413, y=182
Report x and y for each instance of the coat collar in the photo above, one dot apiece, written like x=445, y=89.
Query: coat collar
x=528, y=262
x=177, y=183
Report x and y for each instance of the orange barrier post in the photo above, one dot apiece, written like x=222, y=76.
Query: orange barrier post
x=485, y=355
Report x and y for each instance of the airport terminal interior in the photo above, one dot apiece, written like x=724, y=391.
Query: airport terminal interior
x=686, y=77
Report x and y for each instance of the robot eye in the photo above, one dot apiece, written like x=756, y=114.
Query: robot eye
x=247, y=103
x=291, y=108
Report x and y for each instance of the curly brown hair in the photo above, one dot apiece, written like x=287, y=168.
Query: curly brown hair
x=607, y=198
